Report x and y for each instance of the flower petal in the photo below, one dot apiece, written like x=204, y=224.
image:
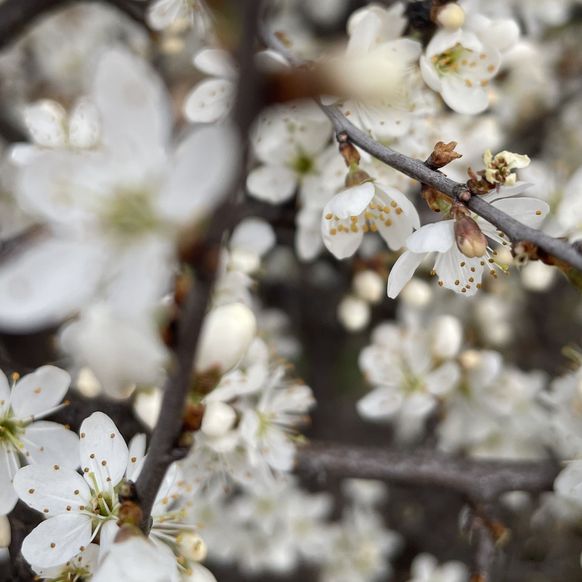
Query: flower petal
x=215, y=62
x=50, y=442
x=40, y=391
x=47, y=283
x=51, y=490
x=461, y=98
x=202, y=171
x=103, y=451
x=133, y=105
x=56, y=540
x=4, y=393
x=8, y=467
x=209, y=101
x=273, y=184
x=136, y=456
x=438, y=236
x=381, y=403
x=402, y=272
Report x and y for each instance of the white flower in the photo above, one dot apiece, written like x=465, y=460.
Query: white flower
x=425, y=568
x=498, y=168
x=78, y=507
x=121, y=352
x=377, y=69
x=113, y=215
x=164, y=13
x=408, y=380
x=251, y=240
x=455, y=270
x=288, y=141
x=24, y=435
x=459, y=64
x=368, y=207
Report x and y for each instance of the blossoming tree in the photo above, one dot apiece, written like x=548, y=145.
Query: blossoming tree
x=202, y=201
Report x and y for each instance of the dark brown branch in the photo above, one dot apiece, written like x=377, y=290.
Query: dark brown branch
x=165, y=437
x=476, y=480
x=416, y=169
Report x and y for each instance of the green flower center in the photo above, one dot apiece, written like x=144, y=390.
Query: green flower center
x=303, y=164
x=130, y=214
x=450, y=60
x=10, y=431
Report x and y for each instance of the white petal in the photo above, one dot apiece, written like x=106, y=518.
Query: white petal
x=341, y=244
x=529, y=211
x=40, y=391
x=46, y=123
x=52, y=491
x=203, y=169
x=351, y=202
x=463, y=99
x=51, y=443
x=68, y=533
x=84, y=125
x=443, y=380
x=215, y=62
x=402, y=272
x=47, y=283
x=438, y=236
x=8, y=467
x=381, y=403
x=132, y=103
x=103, y=451
x=274, y=184
x=400, y=225
x=253, y=235
x=209, y=101
x=163, y=12
x=136, y=456
x=455, y=271
x=4, y=394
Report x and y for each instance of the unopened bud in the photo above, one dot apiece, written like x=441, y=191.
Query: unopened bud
x=417, y=293
x=218, y=419
x=470, y=359
x=446, y=336
x=226, y=335
x=356, y=177
x=451, y=16
x=192, y=546
x=443, y=154
x=353, y=313
x=470, y=240
x=369, y=286
x=5, y=532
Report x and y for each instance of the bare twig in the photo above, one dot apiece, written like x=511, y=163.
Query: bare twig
x=418, y=170
x=476, y=480
x=165, y=437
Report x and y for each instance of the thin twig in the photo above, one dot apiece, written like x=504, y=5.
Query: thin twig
x=478, y=480
x=165, y=436
x=416, y=169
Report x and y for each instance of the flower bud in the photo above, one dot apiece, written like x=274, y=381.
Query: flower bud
x=218, y=419
x=356, y=177
x=447, y=337
x=451, y=16
x=353, y=313
x=470, y=240
x=417, y=293
x=226, y=335
x=192, y=546
x=443, y=154
x=537, y=277
x=5, y=532
x=470, y=359
x=369, y=286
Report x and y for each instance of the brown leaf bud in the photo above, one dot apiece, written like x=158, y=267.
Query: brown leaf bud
x=443, y=154
x=470, y=240
x=349, y=153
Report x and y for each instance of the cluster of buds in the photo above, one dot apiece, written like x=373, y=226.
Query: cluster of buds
x=469, y=238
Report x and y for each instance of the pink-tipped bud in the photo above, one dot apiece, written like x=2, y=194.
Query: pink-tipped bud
x=470, y=240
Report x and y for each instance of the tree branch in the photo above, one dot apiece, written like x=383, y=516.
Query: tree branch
x=479, y=481
x=165, y=437
x=416, y=169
